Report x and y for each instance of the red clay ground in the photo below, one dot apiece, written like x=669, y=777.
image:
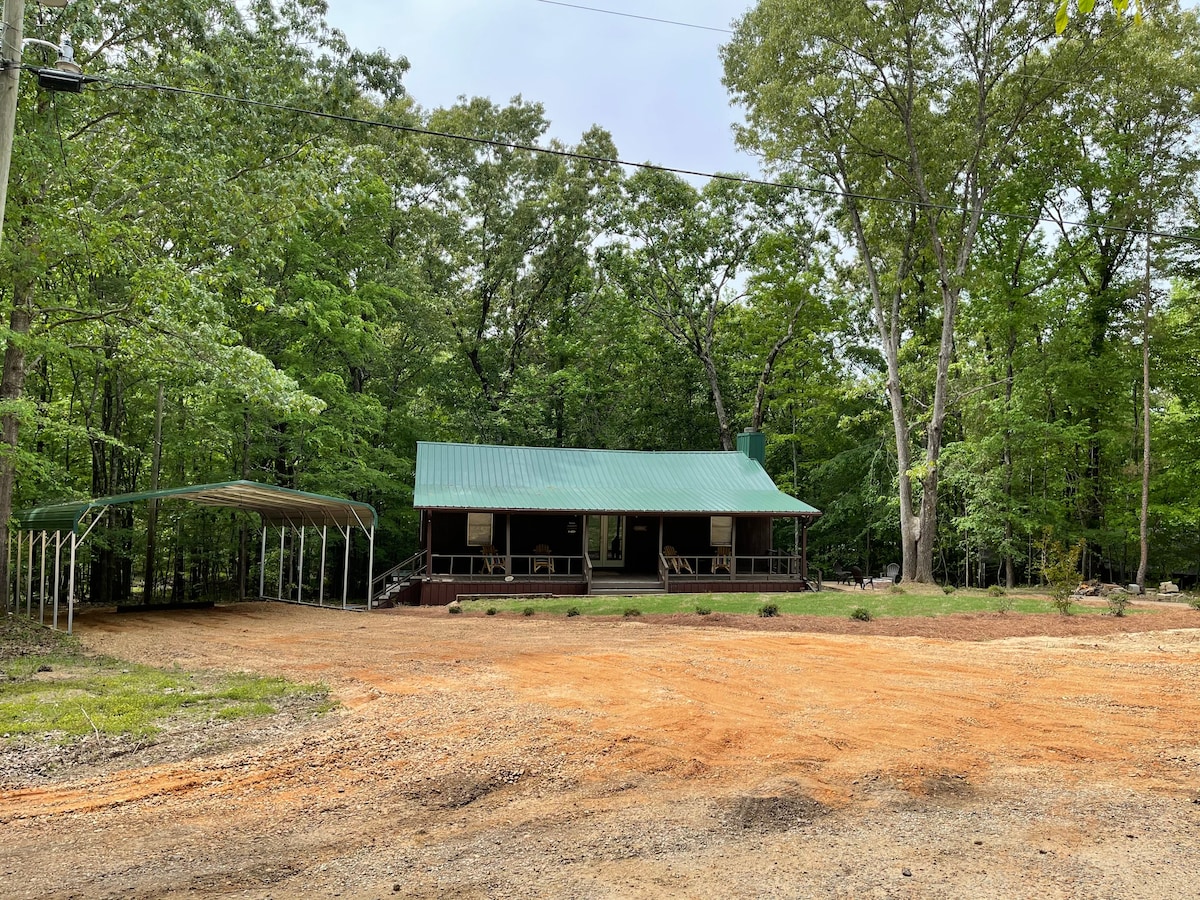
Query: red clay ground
x=510, y=757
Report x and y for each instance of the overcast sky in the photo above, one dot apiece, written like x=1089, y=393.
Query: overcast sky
x=656, y=87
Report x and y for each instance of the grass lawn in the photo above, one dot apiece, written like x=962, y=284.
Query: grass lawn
x=882, y=602
x=50, y=688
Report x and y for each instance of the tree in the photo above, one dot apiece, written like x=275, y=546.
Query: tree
x=908, y=113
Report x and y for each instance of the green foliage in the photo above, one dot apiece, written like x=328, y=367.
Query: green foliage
x=995, y=591
x=631, y=611
x=896, y=589
x=572, y=611
x=768, y=610
x=1194, y=601
x=861, y=614
x=528, y=611
x=454, y=609
x=948, y=589
x=1118, y=602
x=491, y=610
x=702, y=610
x=1061, y=571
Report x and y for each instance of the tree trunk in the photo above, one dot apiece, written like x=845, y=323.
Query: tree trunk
x=152, y=511
x=12, y=383
x=1144, y=524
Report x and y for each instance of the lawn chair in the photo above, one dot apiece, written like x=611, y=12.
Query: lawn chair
x=893, y=572
x=492, y=561
x=542, y=560
x=723, y=559
x=861, y=580
x=677, y=563
x=843, y=576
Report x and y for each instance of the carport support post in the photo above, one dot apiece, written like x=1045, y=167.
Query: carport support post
x=279, y=589
x=57, y=573
x=300, y=569
x=346, y=570
x=29, y=576
x=42, y=585
x=321, y=586
x=371, y=566
x=71, y=584
x=262, y=565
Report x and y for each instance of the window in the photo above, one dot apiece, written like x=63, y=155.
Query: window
x=479, y=529
x=721, y=531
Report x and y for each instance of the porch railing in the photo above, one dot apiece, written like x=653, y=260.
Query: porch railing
x=412, y=567
x=526, y=566
x=772, y=567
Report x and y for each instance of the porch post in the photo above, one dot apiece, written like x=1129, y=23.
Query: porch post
x=507, y=542
x=804, y=548
x=371, y=565
x=71, y=584
x=733, y=548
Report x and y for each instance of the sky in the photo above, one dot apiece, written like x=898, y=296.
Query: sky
x=655, y=87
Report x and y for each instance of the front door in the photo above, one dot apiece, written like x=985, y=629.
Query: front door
x=606, y=541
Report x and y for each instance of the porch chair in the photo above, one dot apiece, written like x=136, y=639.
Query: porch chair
x=678, y=564
x=892, y=573
x=861, y=580
x=723, y=559
x=492, y=561
x=542, y=560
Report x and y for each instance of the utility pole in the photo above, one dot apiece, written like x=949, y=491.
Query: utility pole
x=10, y=83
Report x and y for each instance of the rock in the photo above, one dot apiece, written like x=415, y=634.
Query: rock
x=1134, y=589
x=907, y=873
x=1168, y=587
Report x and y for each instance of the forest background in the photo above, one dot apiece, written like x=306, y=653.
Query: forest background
x=975, y=247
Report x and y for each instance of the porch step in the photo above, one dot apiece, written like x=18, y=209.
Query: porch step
x=626, y=587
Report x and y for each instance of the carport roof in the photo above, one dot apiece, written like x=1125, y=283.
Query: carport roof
x=276, y=506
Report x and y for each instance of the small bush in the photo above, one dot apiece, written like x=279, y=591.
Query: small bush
x=1004, y=604
x=861, y=614
x=1194, y=601
x=896, y=589
x=1118, y=602
x=703, y=610
x=947, y=589
x=454, y=609
x=631, y=611
x=491, y=610
x=572, y=611
x=768, y=611
x=527, y=611
x=1061, y=571
x=996, y=591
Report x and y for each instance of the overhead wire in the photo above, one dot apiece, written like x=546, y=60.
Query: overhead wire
x=646, y=166
x=613, y=12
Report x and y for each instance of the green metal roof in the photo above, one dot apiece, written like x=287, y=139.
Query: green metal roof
x=276, y=506
x=481, y=476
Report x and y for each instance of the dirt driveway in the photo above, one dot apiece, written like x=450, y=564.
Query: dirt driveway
x=510, y=757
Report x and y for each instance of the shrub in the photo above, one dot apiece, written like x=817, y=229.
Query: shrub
x=768, y=611
x=947, y=589
x=1118, y=602
x=861, y=614
x=527, y=611
x=896, y=589
x=1194, y=601
x=572, y=611
x=996, y=591
x=1004, y=603
x=453, y=608
x=631, y=611
x=1061, y=571
x=703, y=610
x=491, y=610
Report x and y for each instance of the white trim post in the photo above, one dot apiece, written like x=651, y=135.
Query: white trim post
x=321, y=586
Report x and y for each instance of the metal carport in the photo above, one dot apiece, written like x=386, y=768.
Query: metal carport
x=71, y=523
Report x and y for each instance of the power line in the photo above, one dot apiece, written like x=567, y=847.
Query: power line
x=613, y=12
x=588, y=157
